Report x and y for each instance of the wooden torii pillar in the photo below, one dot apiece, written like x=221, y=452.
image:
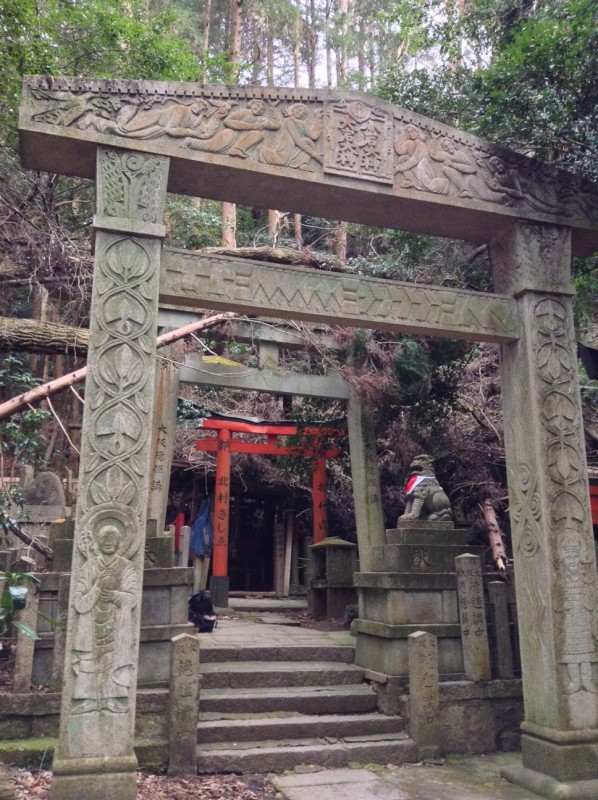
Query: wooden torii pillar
x=224, y=443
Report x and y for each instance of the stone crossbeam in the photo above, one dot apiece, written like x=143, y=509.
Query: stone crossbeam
x=263, y=380
x=192, y=280
x=337, y=154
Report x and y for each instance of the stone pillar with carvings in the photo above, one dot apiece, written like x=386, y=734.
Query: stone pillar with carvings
x=555, y=569
x=95, y=757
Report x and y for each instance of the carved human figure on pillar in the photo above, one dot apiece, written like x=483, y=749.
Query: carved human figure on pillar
x=575, y=600
x=426, y=500
x=105, y=599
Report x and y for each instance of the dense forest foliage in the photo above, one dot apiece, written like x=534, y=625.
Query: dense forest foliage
x=522, y=73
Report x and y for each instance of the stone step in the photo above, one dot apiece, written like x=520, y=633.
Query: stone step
x=217, y=653
x=244, y=728
x=245, y=674
x=278, y=756
x=352, y=699
x=267, y=604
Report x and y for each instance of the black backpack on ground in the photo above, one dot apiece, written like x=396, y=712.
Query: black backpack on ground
x=201, y=612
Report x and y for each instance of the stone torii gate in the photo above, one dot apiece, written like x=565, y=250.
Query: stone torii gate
x=346, y=156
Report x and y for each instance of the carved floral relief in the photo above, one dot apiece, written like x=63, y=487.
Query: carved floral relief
x=113, y=476
x=574, y=600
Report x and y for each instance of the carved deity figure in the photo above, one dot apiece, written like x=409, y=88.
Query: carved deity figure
x=105, y=597
x=576, y=602
x=426, y=500
x=413, y=161
x=198, y=124
x=456, y=165
x=295, y=145
x=251, y=121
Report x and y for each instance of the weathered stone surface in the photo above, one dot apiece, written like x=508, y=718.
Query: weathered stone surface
x=472, y=615
x=45, y=490
x=418, y=558
x=436, y=533
x=250, y=287
x=26, y=644
x=195, y=371
x=98, y=697
x=497, y=592
x=555, y=572
x=183, y=707
x=380, y=164
x=424, y=702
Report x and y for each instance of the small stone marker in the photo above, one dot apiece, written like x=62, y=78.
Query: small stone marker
x=64, y=581
x=472, y=616
x=183, y=554
x=504, y=649
x=26, y=644
x=184, y=705
x=424, y=703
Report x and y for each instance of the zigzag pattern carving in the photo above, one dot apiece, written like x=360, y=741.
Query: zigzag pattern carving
x=194, y=280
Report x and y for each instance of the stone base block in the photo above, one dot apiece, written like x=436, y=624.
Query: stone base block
x=420, y=533
x=563, y=761
x=420, y=557
x=545, y=786
x=430, y=606
x=388, y=654
x=116, y=786
x=93, y=779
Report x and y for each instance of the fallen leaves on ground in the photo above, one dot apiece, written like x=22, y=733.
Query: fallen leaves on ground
x=35, y=785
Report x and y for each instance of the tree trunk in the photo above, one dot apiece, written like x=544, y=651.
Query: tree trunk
x=229, y=210
x=204, y=24
x=53, y=387
x=312, y=45
x=234, y=42
x=32, y=336
x=495, y=535
x=342, y=52
x=229, y=225
x=340, y=242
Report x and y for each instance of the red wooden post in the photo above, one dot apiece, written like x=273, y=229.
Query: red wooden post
x=222, y=505
x=319, y=499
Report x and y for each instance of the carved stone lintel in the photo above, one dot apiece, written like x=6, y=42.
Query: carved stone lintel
x=311, y=137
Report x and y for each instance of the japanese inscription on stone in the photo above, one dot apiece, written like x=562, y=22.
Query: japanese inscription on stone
x=334, y=133
x=472, y=616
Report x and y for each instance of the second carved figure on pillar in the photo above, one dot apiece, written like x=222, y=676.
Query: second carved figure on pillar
x=105, y=597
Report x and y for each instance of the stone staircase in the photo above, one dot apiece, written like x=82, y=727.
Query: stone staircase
x=272, y=709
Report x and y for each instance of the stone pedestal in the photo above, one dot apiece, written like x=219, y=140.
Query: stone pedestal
x=412, y=587
x=333, y=562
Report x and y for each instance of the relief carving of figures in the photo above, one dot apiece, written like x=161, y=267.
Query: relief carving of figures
x=435, y=165
x=252, y=121
x=106, y=596
x=575, y=602
x=296, y=143
x=413, y=163
x=198, y=124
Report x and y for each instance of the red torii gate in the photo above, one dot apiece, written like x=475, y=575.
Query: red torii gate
x=225, y=443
